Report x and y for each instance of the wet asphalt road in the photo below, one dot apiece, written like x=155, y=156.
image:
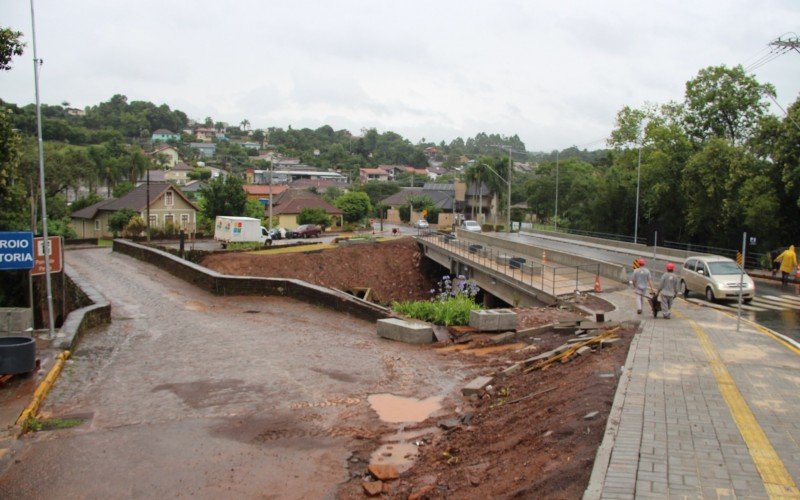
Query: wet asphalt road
x=191, y=395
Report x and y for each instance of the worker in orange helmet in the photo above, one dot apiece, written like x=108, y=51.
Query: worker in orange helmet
x=642, y=280
x=668, y=289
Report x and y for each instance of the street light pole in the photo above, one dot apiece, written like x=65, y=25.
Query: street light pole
x=638, y=177
x=555, y=217
x=271, y=163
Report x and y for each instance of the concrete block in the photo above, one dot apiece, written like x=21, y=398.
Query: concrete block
x=15, y=320
x=562, y=348
x=476, y=386
x=493, y=320
x=405, y=331
x=585, y=350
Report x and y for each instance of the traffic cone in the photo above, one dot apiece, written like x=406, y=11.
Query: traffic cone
x=597, y=288
x=797, y=275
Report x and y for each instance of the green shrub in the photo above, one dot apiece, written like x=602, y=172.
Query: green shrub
x=453, y=311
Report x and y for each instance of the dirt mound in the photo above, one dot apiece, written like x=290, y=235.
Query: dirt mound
x=394, y=270
x=532, y=435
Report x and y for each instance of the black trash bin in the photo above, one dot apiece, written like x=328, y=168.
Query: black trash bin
x=17, y=355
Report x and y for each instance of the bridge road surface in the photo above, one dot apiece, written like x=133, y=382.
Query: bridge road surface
x=776, y=307
x=187, y=394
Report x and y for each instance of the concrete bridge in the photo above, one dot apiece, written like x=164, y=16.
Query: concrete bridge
x=520, y=274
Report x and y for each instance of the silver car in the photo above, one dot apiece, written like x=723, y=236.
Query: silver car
x=718, y=278
x=472, y=225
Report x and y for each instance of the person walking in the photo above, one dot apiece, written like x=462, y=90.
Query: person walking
x=668, y=289
x=788, y=260
x=642, y=279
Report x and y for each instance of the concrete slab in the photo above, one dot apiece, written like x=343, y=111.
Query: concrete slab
x=405, y=331
x=477, y=386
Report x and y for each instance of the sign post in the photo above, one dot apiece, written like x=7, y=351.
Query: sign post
x=55, y=259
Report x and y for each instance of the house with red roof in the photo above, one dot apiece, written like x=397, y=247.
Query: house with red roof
x=292, y=201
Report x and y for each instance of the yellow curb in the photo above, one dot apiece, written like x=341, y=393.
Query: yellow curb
x=43, y=389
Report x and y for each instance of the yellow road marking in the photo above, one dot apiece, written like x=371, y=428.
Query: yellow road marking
x=777, y=480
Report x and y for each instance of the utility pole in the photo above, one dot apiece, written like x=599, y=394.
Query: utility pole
x=788, y=44
x=555, y=217
x=46, y=243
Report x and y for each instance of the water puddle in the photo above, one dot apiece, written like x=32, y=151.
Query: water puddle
x=397, y=409
x=401, y=449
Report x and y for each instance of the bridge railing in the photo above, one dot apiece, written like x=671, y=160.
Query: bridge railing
x=554, y=279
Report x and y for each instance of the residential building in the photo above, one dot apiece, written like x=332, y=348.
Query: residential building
x=165, y=155
x=164, y=135
x=292, y=201
x=373, y=174
x=205, y=134
x=179, y=174
x=206, y=149
x=168, y=207
x=261, y=192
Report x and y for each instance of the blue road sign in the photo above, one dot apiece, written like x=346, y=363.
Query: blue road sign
x=16, y=250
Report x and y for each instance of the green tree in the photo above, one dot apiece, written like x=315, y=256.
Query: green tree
x=223, y=196
x=725, y=102
x=122, y=189
x=378, y=191
x=355, y=205
x=10, y=46
x=119, y=219
x=314, y=216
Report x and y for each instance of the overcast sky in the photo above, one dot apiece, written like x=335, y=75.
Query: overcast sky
x=555, y=73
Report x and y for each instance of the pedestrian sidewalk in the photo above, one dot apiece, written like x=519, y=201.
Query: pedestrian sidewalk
x=702, y=410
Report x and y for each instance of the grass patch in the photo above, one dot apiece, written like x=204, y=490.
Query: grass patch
x=315, y=247
x=34, y=424
x=453, y=311
x=105, y=243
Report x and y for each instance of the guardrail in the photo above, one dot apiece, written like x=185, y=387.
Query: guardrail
x=557, y=280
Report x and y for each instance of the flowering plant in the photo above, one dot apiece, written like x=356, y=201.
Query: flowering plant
x=450, y=288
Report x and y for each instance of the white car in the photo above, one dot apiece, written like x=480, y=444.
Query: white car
x=421, y=224
x=472, y=225
x=717, y=278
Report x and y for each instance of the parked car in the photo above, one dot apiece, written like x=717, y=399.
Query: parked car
x=306, y=231
x=277, y=233
x=471, y=225
x=718, y=278
x=421, y=224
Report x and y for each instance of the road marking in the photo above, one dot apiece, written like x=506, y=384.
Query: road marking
x=777, y=480
x=775, y=306
x=793, y=298
x=785, y=299
x=786, y=304
x=723, y=307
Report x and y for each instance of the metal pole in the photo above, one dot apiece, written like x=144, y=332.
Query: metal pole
x=508, y=201
x=636, y=222
x=148, y=205
x=741, y=281
x=46, y=246
x=555, y=217
x=270, y=199
x=655, y=245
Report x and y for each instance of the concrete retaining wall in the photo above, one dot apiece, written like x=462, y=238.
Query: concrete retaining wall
x=97, y=312
x=220, y=284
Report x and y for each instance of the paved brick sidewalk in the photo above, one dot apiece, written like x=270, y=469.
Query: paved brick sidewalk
x=689, y=422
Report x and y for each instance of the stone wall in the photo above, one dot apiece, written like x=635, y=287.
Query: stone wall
x=220, y=284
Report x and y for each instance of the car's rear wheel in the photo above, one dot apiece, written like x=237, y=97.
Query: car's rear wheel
x=747, y=300
x=684, y=289
x=710, y=294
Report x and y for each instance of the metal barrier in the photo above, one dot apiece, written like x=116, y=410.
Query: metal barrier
x=553, y=279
